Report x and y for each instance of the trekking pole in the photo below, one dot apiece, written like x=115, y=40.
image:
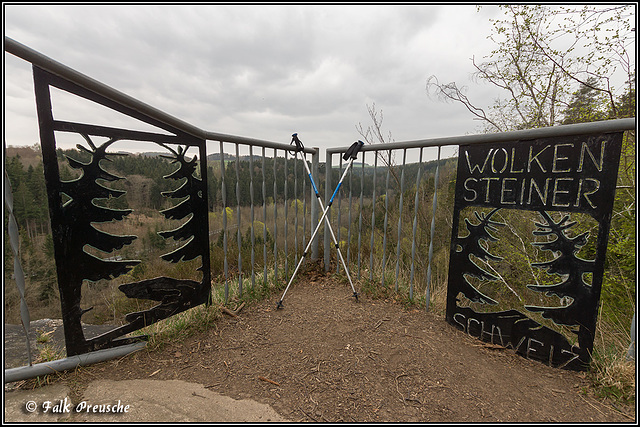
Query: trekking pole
x=351, y=154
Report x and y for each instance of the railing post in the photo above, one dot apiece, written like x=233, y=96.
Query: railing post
x=327, y=197
x=315, y=163
x=436, y=178
x=14, y=242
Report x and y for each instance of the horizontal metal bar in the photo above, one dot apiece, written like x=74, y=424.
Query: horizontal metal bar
x=52, y=66
x=26, y=372
x=526, y=134
x=213, y=136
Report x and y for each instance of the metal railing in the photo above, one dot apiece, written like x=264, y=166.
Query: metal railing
x=386, y=244
x=375, y=189
x=286, y=206
x=286, y=190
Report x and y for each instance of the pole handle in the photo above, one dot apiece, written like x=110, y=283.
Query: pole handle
x=352, y=152
x=297, y=142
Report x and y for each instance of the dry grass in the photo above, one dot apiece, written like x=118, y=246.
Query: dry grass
x=613, y=374
x=614, y=378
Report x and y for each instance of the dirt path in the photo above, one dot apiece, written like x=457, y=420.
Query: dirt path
x=325, y=357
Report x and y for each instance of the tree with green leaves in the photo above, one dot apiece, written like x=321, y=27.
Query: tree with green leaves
x=544, y=54
x=588, y=104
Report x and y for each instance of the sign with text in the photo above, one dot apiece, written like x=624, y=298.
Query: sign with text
x=541, y=297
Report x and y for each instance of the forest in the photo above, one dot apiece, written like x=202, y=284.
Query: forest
x=145, y=184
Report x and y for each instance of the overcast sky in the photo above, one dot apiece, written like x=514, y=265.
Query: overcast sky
x=259, y=71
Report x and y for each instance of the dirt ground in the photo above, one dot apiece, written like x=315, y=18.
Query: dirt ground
x=326, y=358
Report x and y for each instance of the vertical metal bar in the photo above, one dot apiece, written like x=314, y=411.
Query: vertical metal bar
x=206, y=262
x=304, y=206
x=360, y=217
x=315, y=168
x=327, y=196
x=415, y=226
x=349, y=218
x=275, y=215
x=386, y=216
x=373, y=214
x=339, y=210
x=399, y=245
x=433, y=230
x=238, y=231
x=286, y=216
x=295, y=198
x=264, y=218
x=253, y=237
x=14, y=241
x=224, y=222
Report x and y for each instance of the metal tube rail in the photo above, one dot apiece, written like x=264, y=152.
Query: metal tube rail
x=360, y=216
x=253, y=222
x=264, y=220
x=386, y=221
x=373, y=212
x=415, y=226
x=286, y=216
x=339, y=208
x=223, y=189
x=551, y=131
x=399, y=243
x=45, y=368
x=432, y=232
x=238, y=220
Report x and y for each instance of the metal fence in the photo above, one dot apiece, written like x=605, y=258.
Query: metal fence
x=276, y=224
x=259, y=181
x=404, y=196
x=386, y=214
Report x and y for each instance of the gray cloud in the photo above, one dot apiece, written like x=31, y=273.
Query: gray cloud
x=258, y=71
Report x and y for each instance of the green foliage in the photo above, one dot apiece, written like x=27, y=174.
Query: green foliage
x=153, y=240
x=548, y=57
x=297, y=206
x=30, y=204
x=258, y=234
x=588, y=104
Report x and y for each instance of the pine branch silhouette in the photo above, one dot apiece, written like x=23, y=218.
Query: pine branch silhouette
x=176, y=295
x=82, y=212
x=78, y=215
x=567, y=264
x=470, y=245
x=193, y=190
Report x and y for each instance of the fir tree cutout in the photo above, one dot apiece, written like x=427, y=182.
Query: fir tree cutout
x=193, y=190
x=471, y=245
x=176, y=295
x=80, y=212
x=567, y=264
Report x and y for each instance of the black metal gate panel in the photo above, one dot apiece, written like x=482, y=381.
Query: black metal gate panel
x=74, y=211
x=562, y=190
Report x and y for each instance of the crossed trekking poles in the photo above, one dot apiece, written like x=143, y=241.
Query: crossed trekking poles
x=351, y=154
